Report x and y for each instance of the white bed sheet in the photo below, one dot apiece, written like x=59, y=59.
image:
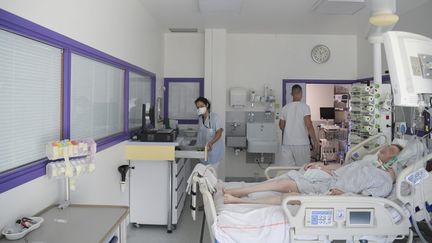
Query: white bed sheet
x=249, y=222
x=257, y=223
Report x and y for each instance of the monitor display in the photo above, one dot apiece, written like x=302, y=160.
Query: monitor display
x=327, y=113
x=408, y=57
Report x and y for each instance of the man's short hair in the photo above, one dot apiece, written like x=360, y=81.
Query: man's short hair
x=296, y=88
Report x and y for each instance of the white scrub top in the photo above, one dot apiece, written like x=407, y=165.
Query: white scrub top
x=206, y=132
x=295, y=132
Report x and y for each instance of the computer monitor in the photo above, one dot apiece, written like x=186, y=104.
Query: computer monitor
x=148, y=115
x=327, y=113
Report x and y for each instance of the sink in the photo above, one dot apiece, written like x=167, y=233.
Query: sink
x=262, y=146
x=261, y=137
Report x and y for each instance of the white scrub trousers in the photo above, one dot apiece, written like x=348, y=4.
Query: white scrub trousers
x=295, y=155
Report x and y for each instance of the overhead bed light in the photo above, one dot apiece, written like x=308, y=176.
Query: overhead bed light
x=220, y=6
x=338, y=7
x=384, y=19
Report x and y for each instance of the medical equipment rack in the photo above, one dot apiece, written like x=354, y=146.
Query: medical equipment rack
x=60, y=153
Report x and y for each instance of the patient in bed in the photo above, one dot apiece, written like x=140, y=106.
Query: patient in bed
x=372, y=176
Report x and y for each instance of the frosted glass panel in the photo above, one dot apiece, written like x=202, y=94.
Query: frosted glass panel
x=139, y=94
x=30, y=99
x=181, y=100
x=96, y=99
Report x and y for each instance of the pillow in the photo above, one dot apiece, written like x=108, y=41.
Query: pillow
x=412, y=152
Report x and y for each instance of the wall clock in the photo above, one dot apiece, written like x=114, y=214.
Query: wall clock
x=320, y=54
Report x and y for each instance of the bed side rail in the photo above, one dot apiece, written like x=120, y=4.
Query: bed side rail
x=361, y=149
x=346, y=217
x=209, y=206
x=419, y=181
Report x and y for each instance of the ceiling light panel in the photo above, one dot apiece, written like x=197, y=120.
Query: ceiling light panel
x=220, y=6
x=338, y=7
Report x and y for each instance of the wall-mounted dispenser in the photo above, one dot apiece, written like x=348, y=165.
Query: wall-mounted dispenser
x=238, y=97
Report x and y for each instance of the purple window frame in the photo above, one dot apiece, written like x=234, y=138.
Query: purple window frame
x=385, y=79
x=20, y=26
x=167, y=81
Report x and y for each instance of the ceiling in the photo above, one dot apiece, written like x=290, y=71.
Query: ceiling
x=265, y=16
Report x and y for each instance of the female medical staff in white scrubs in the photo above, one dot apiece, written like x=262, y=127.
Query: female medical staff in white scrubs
x=210, y=132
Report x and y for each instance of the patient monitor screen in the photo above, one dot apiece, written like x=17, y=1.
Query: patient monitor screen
x=360, y=217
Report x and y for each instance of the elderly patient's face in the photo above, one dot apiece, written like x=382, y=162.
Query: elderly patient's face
x=388, y=152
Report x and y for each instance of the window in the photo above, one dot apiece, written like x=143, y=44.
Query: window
x=139, y=94
x=96, y=99
x=33, y=111
x=30, y=99
x=180, y=95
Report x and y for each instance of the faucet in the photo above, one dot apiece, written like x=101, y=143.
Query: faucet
x=251, y=117
x=235, y=125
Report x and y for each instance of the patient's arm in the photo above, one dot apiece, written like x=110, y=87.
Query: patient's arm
x=326, y=168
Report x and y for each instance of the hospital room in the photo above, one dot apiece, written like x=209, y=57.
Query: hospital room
x=229, y=121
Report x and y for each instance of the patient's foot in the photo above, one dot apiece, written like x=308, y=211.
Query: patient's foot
x=237, y=192
x=229, y=199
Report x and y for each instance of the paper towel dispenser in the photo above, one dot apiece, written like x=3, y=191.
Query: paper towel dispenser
x=238, y=97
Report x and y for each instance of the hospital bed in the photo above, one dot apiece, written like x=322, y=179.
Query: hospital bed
x=326, y=218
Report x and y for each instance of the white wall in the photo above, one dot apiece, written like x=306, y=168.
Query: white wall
x=184, y=55
x=257, y=59
x=122, y=29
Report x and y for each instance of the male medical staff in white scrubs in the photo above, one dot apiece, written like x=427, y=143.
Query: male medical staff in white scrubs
x=210, y=132
x=295, y=123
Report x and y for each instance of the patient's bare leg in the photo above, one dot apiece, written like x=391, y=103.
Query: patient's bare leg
x=275, y=200
x=283, y=186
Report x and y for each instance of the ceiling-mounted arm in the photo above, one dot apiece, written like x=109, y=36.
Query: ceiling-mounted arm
x=383, y=16
x=382, y=19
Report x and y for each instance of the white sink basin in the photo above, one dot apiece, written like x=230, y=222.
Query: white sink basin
x=262, y=146
x=261, y=138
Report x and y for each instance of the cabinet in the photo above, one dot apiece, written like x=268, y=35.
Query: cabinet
x=158, y=179
x=150, y=189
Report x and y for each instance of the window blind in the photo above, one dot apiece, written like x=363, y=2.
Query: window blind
x=96, y=98
x=139, y=94
x=181, y=100
x=30, y=99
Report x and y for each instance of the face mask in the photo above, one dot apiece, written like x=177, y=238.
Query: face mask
x=201, y=111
